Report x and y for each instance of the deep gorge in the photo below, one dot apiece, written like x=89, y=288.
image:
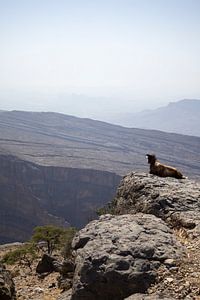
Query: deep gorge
x=31, y=195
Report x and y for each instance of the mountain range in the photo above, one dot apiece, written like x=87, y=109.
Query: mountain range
x=180, y=117
x=53, y=139
x=59, y=169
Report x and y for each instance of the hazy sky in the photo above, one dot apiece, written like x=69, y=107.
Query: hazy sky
x=134, y=53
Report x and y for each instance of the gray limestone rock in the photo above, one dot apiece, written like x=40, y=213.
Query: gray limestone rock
x=175, y=201
x=7, y=287
x=118, y=256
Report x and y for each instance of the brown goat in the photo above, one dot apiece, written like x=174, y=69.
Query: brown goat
x=161, y=170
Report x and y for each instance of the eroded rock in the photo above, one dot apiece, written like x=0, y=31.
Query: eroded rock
x=118, y=256
x=7, y=287
x=175, y=201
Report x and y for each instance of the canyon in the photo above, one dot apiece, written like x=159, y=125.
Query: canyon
x=33, y=195
x=59, y=169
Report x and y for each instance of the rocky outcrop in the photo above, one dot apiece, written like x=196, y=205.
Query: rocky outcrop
x=175, y=201
x=33, y=195
x=7, y=287
x=117, y=256
x=134, y=253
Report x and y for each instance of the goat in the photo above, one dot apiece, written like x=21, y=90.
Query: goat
x=161, y=170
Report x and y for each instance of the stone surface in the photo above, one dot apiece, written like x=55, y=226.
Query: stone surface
x=46, y=264
x=117, y=256
x=148, y=297
x=64, y=283
x=67, y=267
x=66, y=274
x=175, y=201
x=66, y=295
x=7, y=287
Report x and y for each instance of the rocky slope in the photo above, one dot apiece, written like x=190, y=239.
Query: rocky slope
x=33, y=195
x=150, y=247
x=18, y=282
x=147, y=250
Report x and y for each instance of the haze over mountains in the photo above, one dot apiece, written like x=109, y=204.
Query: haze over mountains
x=180, y=117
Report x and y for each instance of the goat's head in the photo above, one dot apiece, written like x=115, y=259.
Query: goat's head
x=151, y=158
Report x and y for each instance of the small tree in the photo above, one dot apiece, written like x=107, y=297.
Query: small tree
x=52, y=235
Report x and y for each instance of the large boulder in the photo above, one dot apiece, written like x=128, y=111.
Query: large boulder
x=175, y=201
x=47, y=264
x=117, y=256
x=7, y=287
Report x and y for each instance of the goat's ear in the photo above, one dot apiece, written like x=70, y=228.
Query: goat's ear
x=147, y=156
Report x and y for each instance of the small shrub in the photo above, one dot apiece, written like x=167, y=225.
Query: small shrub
x=107, y=209
x=24, y=255
x=49, y=238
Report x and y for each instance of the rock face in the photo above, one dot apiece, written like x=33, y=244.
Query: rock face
x=7, y=287
x=175, y=201
x=33, y=195
x=121, y=255
x=117, y=256
x=66, y=275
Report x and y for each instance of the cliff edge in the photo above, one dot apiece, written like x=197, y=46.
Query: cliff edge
x=177, y=202
x=148, y=248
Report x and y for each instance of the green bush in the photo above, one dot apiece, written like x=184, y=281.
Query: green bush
x=24, y=255
x=55, y=237
x=107, y=209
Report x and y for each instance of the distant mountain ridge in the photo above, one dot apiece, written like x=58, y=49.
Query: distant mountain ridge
x=180, y=117
x=53, y=139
